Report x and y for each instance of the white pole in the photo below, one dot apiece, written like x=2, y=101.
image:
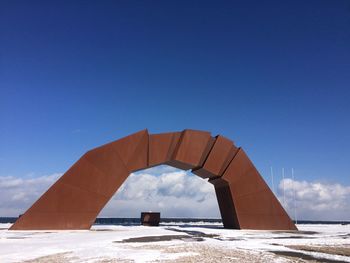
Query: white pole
x=295, y=202
x=273, y=186
x=284, y=191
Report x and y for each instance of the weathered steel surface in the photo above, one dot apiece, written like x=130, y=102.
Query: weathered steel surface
x=192, y=149
x=162, y=147
x=150, y=218
x=218, y=159
x=133, y=150
x=254, y=204
x=74, y=201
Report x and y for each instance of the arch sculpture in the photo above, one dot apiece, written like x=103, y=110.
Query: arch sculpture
x=75, y=200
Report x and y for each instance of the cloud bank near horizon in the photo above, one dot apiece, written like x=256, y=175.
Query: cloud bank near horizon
x=174, y=194
x=18, y=194
x=315, y=200
x=177, y=193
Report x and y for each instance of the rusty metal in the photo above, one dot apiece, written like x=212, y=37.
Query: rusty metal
x=191, y=150
x=218, y=159
x=254, y=204
x=162, y=147
x=75, y=200
x=150, y=218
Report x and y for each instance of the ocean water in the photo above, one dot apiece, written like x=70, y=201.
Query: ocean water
x=184, y=221
x=135, y=221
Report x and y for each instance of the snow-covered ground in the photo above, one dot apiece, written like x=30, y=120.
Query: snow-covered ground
x=176, y=242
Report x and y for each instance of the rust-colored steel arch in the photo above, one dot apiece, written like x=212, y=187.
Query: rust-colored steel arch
x=75, y=200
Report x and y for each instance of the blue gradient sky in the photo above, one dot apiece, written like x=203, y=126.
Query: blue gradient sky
x=272, y=75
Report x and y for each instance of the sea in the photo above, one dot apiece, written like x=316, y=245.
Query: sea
x=185, y=221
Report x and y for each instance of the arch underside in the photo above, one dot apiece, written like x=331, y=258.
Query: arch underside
x=75, y=200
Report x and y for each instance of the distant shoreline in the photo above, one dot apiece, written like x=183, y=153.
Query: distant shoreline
x=136, y=221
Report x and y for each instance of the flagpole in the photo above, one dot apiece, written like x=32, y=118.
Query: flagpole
x=295, y=203
x=284, y=191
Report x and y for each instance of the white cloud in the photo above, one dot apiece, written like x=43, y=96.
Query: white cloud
x=171, y=191
x=18, y=194
x=176, y=193
x=316, y=200
x=160, y=169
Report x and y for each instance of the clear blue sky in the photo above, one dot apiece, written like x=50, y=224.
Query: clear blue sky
x=274, y=76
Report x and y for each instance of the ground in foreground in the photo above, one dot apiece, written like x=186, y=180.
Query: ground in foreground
x=176, y=242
